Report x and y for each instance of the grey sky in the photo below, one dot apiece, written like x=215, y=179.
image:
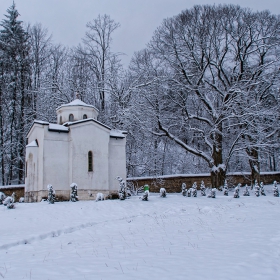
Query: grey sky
x=66, y=19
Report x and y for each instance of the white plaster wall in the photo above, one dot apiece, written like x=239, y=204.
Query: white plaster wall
x=117, y=162
x=36, y=132
x=31, y=179
x=87, y=137
x=56, y=160
x=77, y=111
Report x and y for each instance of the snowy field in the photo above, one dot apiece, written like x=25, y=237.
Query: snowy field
x=164, y=238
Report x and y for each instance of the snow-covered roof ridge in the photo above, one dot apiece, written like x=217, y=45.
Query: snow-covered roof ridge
x=32, y=144
x=86, y=120
x=116, y=133
x=77, y=102
x=58, y=127
x=41, y=122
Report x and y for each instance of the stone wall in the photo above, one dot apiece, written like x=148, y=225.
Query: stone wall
x=173, y=183
x=18, y=190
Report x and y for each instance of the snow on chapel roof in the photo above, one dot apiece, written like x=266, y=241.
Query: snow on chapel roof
x=77, y=102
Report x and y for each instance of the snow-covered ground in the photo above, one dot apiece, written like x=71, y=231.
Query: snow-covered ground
x=164, y=238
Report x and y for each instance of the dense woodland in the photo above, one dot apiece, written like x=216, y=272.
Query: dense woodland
x=203, y=96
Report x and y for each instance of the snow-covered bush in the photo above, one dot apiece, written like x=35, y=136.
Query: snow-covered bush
x=51, y=194
x=246, y=191
x=194, y=189
x=212, y=193
x=275, y=189
x=145, y=196
x=21, y=200
x=226, y=188
x=236, y=191
x=184, y=189
x=99, y=196
x=162, y=192
x=262, y=189
x=202, y=189
x=74, y=192
x=9, y=199
x=2, y=197
x=257, y=188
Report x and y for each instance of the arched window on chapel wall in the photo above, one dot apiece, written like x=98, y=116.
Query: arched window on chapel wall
x=71, y=117
x=90, y=161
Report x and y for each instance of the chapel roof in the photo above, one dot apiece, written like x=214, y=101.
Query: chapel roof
x=77, y=102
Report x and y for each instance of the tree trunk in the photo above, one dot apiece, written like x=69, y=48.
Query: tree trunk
x=254, y=164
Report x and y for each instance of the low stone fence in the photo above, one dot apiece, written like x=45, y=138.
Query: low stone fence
x=173, y=183
x=17, y=189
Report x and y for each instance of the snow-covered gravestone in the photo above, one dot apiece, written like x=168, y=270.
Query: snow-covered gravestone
x=257, y=188
x=202, y=189
x=236, y=191
x=2, y=197
x=9, y=201
x=194, y=189
x=51, y=194
x=184, y=189
x=212, y=193
x=162, y=192
x=275, y=189
x=74, y=192
x=246, y=191
x=145, y=196
x=99, y=197
x=262, y=189
x=226, y=188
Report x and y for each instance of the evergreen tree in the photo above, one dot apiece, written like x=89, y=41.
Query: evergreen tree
x=184, y=190
x=246, y=191
x=14, y=83
x=51, y=194
x=275, y=189
x=202, y=188
x=226, y=188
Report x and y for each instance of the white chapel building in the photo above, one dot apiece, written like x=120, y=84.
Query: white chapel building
x=77, y=149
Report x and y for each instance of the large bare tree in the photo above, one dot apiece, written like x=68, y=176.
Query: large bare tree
x=208, y=72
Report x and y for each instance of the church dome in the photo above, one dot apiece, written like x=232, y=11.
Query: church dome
x=75, y=111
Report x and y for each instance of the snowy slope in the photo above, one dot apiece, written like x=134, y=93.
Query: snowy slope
x=164, y=238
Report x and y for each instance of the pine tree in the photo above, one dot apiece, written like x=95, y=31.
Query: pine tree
x=202, y=189
x=246, y=191
x=275, y=189
x=226, y=188
x=14, y=82
x=257, y=188
x=74, y=192
x=51, y=194
x=184, y=190
x=236, y=191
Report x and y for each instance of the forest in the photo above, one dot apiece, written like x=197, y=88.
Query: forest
x=202, y=97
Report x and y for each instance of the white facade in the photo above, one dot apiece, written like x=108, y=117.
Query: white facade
x=82, y=150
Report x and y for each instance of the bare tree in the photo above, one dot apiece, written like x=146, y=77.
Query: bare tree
x=208, y=68
x=102, y=62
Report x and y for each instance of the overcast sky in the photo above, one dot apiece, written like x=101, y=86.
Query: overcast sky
x=66, y=19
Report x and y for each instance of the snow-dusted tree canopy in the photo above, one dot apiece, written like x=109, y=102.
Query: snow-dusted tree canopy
x=202, y=97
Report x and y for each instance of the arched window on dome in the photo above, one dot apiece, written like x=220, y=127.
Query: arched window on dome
x=71, y=118
x=84, y=116
x=90, y=161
